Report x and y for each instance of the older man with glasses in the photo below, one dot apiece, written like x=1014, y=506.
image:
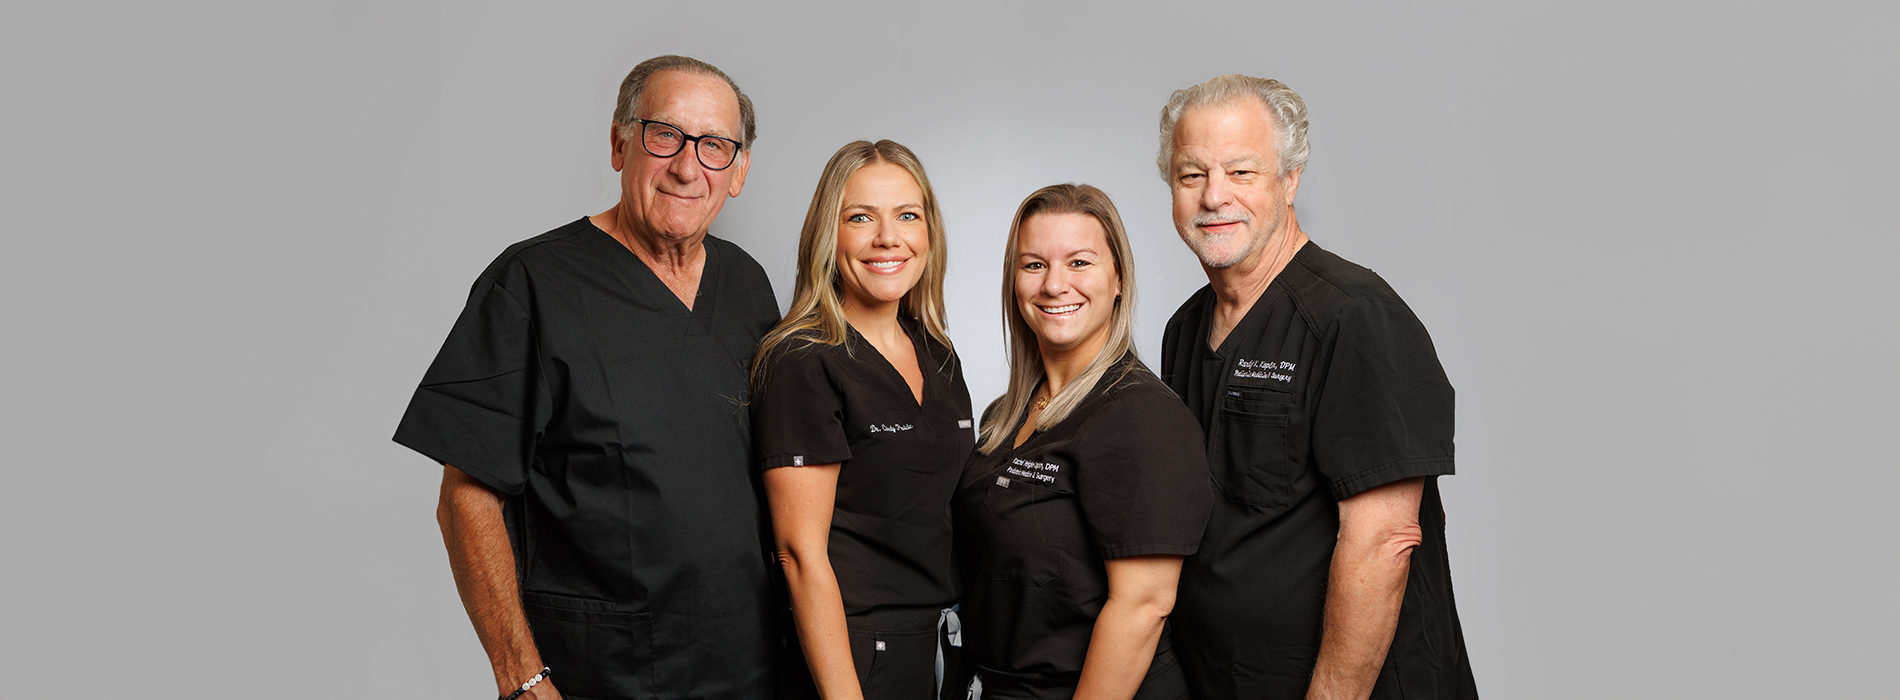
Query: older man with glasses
x=588, y=409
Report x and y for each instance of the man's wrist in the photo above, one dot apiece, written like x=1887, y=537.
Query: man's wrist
x=510, y=676
x=535, y=680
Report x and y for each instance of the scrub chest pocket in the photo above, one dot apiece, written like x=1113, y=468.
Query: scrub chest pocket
x=1252, y=464
x=1023, y=511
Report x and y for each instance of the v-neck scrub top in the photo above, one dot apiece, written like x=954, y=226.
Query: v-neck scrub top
x=613, y=420
x=890, y=543
x=1123, y=475
x=1328, y=387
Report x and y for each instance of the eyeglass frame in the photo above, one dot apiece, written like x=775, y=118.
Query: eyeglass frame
x=737, y=147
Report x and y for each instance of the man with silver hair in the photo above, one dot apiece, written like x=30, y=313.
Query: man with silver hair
x=598, y=502
x=1328, y=418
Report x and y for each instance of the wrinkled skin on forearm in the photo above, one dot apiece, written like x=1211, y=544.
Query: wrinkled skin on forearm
x=1378, y=529
x=484, y=566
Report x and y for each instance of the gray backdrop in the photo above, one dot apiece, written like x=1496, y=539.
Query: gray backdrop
x=1647, y=240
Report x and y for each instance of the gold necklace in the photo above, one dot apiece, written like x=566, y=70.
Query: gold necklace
x=1041, y=402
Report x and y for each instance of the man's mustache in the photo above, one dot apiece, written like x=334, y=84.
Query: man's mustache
x=1214, y=217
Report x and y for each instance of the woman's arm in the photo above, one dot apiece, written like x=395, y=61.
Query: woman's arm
x=1140, y=596
x=801, y=500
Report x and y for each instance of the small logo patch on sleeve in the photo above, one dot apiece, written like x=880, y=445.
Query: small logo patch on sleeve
x=1002, y=481
x=798, y=460
x=965, y=423
x=880, y=645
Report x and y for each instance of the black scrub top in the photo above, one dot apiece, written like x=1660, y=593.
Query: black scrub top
x=613, y=420
x=1123, y=475
x=890, y=524
x=1327, y=388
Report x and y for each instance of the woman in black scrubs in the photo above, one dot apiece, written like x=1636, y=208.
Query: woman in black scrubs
x=863, y=424
x=1090, y=484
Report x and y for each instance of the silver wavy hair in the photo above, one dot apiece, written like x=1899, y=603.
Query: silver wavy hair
x=1288, y=110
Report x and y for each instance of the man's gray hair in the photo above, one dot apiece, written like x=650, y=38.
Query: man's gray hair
x=637, y=81
x=1288, y=110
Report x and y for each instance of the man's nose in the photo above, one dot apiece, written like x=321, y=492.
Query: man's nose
x=1216, y=193
x=685, y=165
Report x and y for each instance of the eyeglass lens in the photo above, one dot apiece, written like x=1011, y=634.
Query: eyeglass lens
x=664, y=141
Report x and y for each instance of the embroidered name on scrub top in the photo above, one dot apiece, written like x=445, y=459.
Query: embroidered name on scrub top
x=1039, y=471
x=891, y=428
x=1264, y=369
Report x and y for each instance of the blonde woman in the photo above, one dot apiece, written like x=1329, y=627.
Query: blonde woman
x=863, y=423
x=1090, y=484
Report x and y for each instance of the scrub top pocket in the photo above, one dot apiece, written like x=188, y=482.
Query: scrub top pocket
x=1252, y=465
x=590, y=647
x=1019, y=511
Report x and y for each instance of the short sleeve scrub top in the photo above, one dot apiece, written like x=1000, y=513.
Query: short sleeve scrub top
x=890, y=544
x=1327, y=388
x=612, y=419
x=1124, y=475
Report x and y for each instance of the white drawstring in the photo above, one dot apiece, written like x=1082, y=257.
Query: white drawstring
x=950, y=630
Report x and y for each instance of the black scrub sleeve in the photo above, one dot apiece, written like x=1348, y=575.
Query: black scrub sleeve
x=1385, y=412
x=798, y=413
x=482, y=403
x=1141, y=475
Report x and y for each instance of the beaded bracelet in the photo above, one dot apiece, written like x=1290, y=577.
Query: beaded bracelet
x=543, y=675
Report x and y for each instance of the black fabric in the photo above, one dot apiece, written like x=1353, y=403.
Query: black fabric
x=894, y=652
x=1328, y=387
x=613, y=419
x=890, y=540
x=1123, y=475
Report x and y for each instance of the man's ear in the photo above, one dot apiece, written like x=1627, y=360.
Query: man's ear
x=738, y=178
x=616, y=145
x=1292, y=183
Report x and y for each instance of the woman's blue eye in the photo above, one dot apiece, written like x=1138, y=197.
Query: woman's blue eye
x=909, y=216
x=857, y=218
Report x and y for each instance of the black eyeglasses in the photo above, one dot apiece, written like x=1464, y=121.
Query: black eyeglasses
x=664, y=140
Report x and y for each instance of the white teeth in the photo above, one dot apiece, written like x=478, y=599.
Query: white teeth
x=887, y=264
x=1060, y=309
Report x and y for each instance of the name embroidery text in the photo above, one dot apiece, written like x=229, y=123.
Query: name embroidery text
x=1039, y=471
x=1264, y=369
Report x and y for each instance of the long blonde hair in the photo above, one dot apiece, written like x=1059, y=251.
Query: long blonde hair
x=817, y=312
x=1025, y=356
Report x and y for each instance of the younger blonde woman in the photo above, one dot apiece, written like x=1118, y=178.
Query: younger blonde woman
x=1091, y=484
x=863, y=422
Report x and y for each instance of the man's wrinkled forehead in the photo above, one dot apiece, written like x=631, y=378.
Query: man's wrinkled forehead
x=1238, y=130
x=691, y=101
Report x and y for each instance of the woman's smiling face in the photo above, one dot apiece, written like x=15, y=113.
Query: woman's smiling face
x=883, y=239
x=1066, y=281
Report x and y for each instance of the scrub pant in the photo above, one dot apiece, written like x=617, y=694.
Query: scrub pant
x=895, y=654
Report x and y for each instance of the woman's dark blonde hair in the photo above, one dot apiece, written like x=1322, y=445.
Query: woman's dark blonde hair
x=817, y=311
x=1025, y=356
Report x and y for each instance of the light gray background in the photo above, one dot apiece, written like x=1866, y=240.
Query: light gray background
x=1652, y=243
